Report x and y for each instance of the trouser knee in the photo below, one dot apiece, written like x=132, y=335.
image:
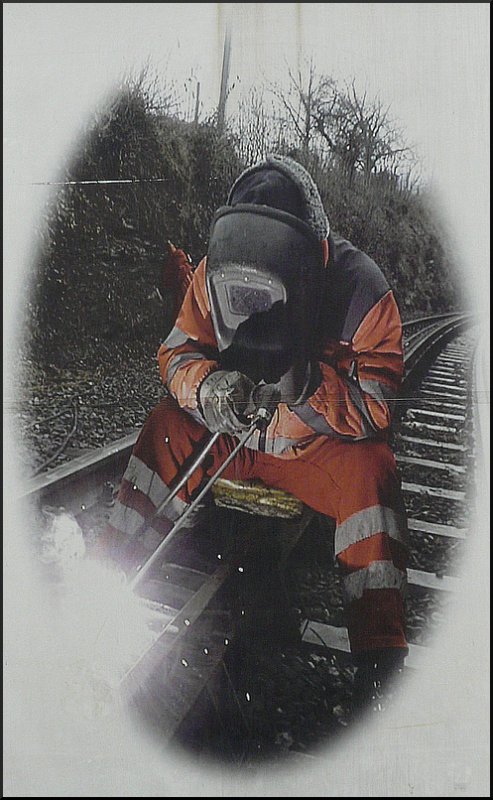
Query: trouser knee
x=370, y=487
x=168, y=424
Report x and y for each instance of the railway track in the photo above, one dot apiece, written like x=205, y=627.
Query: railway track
x=210, y=594
x=434, y=447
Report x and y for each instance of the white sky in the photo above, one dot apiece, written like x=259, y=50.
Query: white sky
x=431, y=61
x=428, y=60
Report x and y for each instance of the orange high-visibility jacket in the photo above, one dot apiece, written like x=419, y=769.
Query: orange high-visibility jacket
x=360, y=357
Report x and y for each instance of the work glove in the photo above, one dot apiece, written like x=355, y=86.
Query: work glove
x=223, y=399
x=263, y=395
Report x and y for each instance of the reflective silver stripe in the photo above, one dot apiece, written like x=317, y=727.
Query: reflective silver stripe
x=380, y=391
x=316, y=421
x=176, y=337
x=366, y=420
x=378, y=575
x=273, y=446
x=253, y=443
x=368, y=522
x=151, y=484
x=179, y=361
x=126, y=519
x=319, y=424
x=279, y=444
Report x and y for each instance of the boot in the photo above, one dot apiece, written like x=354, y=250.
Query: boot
x=376, y=679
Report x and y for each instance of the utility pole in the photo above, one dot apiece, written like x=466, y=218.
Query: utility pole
x=224, y=80
x=197, y=104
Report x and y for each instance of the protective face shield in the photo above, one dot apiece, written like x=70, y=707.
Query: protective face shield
x=265, y=276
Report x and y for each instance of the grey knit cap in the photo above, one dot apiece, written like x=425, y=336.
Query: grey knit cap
x=314, y=213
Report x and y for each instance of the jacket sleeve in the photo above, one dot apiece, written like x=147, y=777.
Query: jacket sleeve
x=189, y=352
x=359, y=379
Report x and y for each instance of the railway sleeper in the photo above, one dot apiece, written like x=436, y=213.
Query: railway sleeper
x=456, y=469
x=425, y=412
x=334, y=639
x=413, y=426
x=446, y=372
x=433, y=491
x=426, y=402
x=423, y=526
x=454, y=390
x=428, y=580
x=439, y=376
x=443, y=394
x=462, y=448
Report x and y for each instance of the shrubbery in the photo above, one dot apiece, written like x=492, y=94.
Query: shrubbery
x=98, y=275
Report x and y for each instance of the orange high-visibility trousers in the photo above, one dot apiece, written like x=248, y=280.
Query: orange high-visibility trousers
x=355, y=482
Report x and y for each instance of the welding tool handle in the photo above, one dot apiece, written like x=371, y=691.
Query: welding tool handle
x=262, y=415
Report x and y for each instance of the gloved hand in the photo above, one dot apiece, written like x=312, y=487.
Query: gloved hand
x=223, y=398
x=266, y=395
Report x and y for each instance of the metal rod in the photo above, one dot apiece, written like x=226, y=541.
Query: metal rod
x=169, y=497
x=262, y=415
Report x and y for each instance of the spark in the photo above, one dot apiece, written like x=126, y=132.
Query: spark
x=62, y=542
x=103, y=623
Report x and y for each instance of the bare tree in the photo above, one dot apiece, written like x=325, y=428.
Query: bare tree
x=299, y=105
x=341, y=125
x=361, y=133
x=253, y=128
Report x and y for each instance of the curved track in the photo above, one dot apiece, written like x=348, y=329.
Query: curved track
x=434, y=447
x=199, y=595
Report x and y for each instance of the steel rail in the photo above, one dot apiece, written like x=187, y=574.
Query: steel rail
x=107, y=463
x=83, y=478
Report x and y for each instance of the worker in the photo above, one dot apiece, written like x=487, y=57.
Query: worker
x=280, y=300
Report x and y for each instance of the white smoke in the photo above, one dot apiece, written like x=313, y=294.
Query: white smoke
x=104, y=625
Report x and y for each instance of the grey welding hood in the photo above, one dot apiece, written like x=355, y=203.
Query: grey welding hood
x=265, y=276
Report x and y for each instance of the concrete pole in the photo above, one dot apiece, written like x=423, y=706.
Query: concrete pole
x=224, y=80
